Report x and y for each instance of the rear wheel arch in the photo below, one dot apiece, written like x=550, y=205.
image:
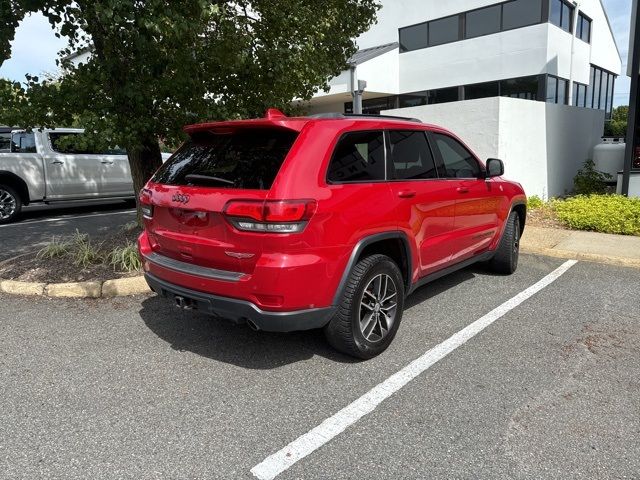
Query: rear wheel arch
x=394, y=245
x=12, y=180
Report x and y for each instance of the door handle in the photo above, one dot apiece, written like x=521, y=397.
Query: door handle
x=407, y=194
x=57, y=162
x=106, y=162
x=462, y=190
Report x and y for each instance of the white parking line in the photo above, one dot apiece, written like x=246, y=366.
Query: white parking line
x=306, y=444
x=66, y=217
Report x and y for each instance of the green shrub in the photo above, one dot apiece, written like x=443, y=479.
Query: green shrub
x=125, y=259
x=534, y=202
x=600, y=213
x=589, y=180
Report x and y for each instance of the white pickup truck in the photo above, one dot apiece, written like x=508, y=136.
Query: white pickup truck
x=40, y=166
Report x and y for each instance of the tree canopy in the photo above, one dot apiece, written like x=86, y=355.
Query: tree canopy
x=157, y=65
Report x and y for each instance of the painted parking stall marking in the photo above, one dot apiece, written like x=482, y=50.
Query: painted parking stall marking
x=306, y=444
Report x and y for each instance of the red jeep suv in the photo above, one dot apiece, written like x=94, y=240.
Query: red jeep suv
x=327, y=221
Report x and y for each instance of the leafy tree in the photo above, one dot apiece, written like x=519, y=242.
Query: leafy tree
x=157, y=65
x=617, y=126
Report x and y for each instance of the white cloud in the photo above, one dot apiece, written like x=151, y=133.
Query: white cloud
x=34, y=49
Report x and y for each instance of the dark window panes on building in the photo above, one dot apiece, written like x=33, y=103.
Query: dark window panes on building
x=359, y=157
x=521, y=13
x=596, y=88
x=560, y=14
x=445, y=30
x=555, y=13
x=583, y=28
x=23, y=142
x=413, y=38
x=604, y=88
x=525, y=88
x=483, y=22
x=456, y=159
x=552, y=89
x=481, y=90
x=414, y=99
x=567, y=17
x=444, y=95
x=412, y=158
x=592, y=75
x=612, y=82
x=563, y=87
x=579, y=94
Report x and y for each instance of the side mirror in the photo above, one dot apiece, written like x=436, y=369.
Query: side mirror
x=495, y=168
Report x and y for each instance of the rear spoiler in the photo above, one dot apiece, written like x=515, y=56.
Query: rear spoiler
x=273, y=119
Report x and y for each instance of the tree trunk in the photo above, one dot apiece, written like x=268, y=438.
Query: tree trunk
x=144, y=160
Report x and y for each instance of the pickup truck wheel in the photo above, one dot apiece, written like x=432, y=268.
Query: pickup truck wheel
x=10, y=204
x=370, y=310
x=505, y=260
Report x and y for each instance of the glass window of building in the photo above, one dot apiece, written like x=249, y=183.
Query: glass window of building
x=414, y=37
x=583, y=28
x=444, y=95
x=481, y=90
x=484, y=21
x=525, y=88
x=562, y=91
x=596, y=88
x=444, y=30
x=521, y=13
x=552, y=89
x=561, y=14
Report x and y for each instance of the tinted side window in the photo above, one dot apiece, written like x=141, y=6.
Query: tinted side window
x=23, y=142
x=358, y=157
x=412, y=158
x=457, y=161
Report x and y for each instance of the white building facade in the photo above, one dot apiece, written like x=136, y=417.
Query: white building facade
x=527, y=81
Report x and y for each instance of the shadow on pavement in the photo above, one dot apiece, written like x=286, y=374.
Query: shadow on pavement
x=234, y=344
x=239, y=345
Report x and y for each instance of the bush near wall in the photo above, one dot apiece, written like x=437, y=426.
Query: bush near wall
x=600, y=213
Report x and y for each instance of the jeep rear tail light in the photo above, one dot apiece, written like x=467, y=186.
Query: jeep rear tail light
x=286, y=216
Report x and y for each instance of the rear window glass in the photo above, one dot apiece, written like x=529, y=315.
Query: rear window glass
x=246, y=159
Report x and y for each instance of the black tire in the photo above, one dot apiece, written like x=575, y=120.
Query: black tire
x=10, y=204
x=505, y=260
x=344, y=331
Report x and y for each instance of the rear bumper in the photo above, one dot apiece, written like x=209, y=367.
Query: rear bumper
x=240, y=311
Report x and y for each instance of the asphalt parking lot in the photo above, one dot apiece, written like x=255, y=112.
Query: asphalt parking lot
x=133, y=388
x=40, y=223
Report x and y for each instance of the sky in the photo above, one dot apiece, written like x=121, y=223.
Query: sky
x=35, y=47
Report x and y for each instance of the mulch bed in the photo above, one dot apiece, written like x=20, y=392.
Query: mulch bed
x=544, y=217
x=30, y=268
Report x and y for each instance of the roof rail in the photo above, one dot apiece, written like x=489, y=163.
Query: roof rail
x=345, y=116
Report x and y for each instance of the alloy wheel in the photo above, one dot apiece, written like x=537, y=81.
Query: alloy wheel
x=378, y=308
x=8, y=204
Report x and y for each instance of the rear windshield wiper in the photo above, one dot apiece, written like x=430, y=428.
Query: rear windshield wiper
x=193, y=178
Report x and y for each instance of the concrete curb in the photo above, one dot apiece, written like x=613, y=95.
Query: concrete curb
x=587, y=257
x=110, y=288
